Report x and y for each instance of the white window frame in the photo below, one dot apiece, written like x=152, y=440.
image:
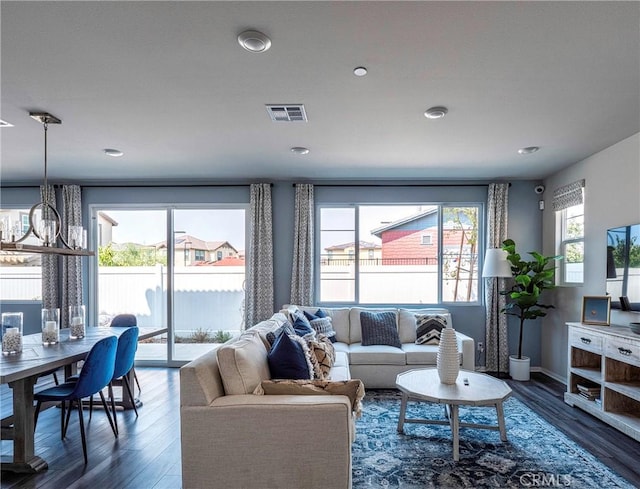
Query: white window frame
x=355, y=255
x=563, y=242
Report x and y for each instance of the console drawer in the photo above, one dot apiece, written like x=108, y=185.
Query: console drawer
x=623, y=350
x=586, y=340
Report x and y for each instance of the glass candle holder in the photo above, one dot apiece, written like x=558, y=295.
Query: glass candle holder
x=11, y=332
x=75, y=237
x=47, y=232
x=50, y=326
x=76, y=322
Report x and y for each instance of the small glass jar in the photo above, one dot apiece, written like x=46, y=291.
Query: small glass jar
x=11, y=333
x=76, y=322
x=50, y=326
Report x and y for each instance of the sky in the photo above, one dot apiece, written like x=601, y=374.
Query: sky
x=149, y=226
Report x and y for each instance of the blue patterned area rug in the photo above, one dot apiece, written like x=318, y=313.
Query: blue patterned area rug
x=535, y=455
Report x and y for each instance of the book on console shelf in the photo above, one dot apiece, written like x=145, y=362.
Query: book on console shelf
x=590, y=397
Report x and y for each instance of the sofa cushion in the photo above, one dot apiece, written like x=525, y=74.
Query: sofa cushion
x=376, y=355
x=271, y=324
x=407, y=321
x=379, y=328
x=353, y=389
x=289, y=357
x=429, y=328
x=355, y=328
x=243, y=363
x=420, y=354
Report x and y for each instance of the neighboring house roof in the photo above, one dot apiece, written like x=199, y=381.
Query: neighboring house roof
x=230, y=261
x=379, y=230
x=108, y=218
x=363, y=245
x=196, y=243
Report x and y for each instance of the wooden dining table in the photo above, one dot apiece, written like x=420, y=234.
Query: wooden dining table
x=21, y=372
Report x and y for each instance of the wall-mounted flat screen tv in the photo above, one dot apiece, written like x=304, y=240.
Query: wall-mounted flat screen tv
x=623, y=267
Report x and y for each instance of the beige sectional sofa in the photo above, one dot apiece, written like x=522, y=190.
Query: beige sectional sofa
x=232, y=438
x=378, y=365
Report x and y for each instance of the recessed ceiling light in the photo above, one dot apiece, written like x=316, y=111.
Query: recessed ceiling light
x=299, y=150
x=528, y=150
x=436, y=112
x=360, y=71
x=116, y=153
x=5, y=124
x=254, y=41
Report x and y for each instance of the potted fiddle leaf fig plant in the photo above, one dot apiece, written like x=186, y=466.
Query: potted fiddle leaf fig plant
x=530, y=280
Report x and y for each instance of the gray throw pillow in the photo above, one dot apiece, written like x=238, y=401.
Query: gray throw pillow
x=379, y=328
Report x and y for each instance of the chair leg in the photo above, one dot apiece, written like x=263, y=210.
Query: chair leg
x=82, y=434
x=55, y=379
x=90, y=407
x=62, y=416
x=106, y=410
x=128, y=386
x=66, y=423
x=113, y=406
x=35, y=415
x=135, y=377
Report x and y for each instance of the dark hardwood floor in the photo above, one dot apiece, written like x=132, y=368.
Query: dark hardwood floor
x=147, y=452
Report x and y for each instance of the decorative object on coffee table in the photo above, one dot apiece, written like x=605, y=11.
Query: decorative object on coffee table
x=448, y=358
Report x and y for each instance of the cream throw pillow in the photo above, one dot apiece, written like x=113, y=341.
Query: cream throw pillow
x=243, y=364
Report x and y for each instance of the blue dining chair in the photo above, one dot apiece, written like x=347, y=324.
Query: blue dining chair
x=126, y=321
x=95, y=375
x=125, y=356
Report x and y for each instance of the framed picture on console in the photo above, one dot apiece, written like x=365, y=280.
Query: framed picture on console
x=596, y=309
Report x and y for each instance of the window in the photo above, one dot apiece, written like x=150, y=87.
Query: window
x=219, y=255
x=199, y=255
x=572, y=244
x=20, y=273
x=374, y=254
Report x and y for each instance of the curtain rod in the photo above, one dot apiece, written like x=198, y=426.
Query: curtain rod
x=401, y=185
x=122, y=185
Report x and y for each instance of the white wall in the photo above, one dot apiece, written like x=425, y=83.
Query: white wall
x=612, y=198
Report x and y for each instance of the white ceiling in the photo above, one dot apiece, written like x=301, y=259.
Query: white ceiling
x=168, y=84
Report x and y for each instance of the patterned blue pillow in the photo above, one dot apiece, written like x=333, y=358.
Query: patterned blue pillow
x=379, y=328
x=288, y=359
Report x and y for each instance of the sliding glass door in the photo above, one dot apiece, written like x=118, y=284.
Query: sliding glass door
x=177, y=268
x=207, y=278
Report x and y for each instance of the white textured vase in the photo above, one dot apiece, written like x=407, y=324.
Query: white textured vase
x=448, y=358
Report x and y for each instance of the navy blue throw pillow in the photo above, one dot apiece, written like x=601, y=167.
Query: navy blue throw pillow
x=287, y=359
x=379, y=328
x=302, y=328
x=318, y=314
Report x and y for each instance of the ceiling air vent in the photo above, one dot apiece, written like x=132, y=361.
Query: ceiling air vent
x=287, y=113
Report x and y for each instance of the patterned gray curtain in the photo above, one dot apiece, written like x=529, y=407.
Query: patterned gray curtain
x=568, y=195
x=260, y=271
x=302, y=270
x=49, y=262
x=496, y=323
x=71, y=265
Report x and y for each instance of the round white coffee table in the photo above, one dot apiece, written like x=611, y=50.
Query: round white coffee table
x=471, y=389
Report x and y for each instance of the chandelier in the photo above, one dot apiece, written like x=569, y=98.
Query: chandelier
x=48, y=228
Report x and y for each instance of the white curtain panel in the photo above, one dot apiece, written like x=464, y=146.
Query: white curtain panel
x=302, y=269
x=71, y=265
x=496, y=323
x=260, y=271
x=49, y=262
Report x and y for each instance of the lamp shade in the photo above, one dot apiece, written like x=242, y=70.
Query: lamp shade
x=496, y=264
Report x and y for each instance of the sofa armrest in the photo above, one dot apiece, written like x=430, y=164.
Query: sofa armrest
x=466, y=345
x=271, y=441
x=200, y=381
